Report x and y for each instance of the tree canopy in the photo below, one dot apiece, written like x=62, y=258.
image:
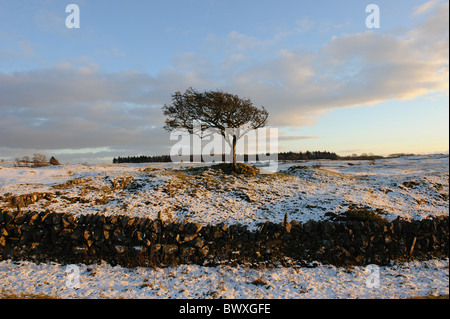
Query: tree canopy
x=221, y=112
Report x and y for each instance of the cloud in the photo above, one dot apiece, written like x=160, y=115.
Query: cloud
x=235, y=43
x=20, y=50
x=71, y=108
x=305, y=24
x=234, y=60
x=425, y=7
x=77, y=105
x=244, y=42
x=295, y=138
x=115, y=52
x=189, y=61
x=350, y=70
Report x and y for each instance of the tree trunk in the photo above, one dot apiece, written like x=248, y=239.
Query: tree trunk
x=234, y=150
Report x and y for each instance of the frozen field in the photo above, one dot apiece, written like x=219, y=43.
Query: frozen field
x=412, y=279
x=410, y=187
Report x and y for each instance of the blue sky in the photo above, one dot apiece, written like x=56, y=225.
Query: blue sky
x=328, y=82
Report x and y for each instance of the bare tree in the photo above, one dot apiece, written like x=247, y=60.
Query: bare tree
x=39, y=160
x=222, y=112
x=26, y=160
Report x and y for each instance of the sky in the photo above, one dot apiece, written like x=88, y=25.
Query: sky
x=328, y=81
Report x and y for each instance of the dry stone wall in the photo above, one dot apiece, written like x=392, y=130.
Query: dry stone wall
x=134, y=241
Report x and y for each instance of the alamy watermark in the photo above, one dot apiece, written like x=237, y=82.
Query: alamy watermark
x=212, y=145
x=72, y=276
x=73, y=19
x=373, y=19
x=373, y=276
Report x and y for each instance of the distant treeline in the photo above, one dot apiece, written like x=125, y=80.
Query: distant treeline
x=142, y=159
x=284, y=156
x=304, y=156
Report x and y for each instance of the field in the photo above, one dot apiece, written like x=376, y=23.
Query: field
x=409, y=187
x=413, y=187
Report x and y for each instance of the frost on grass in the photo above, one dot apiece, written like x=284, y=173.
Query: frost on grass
x=411, y=187
x=411, y=279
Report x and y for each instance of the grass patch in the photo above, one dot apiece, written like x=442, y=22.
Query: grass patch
x=362, y=213
x=179, y=183
x=239, y=169
x=432, y=297
x=274, y=177
x=21, y=295
x=295, y=167
x=259, y=282
x=71, y=183
x=195, y=170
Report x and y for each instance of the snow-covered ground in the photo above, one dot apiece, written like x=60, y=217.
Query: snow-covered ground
x=410, y=187
x=405, y=280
